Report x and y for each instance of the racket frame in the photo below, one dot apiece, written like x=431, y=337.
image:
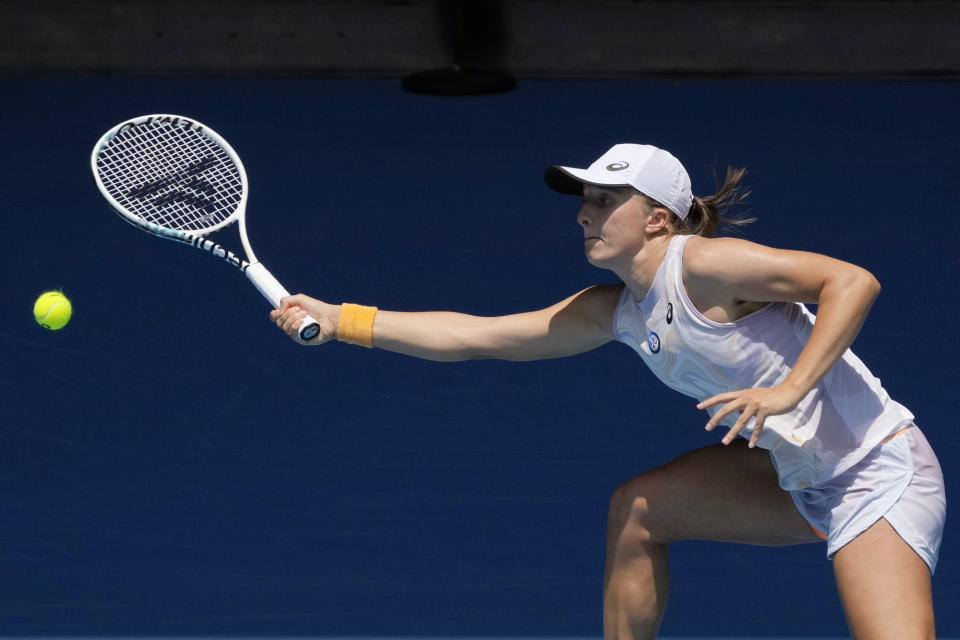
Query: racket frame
x=256, y=272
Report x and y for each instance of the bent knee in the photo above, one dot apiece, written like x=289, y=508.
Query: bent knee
x=634, y=516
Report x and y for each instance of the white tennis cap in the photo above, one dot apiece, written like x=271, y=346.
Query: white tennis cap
x=651, y=171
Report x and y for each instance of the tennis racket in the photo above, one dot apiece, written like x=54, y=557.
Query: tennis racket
x=178, y=179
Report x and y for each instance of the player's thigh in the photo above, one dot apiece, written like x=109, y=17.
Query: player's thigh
x=884, y=586
x=726, y=493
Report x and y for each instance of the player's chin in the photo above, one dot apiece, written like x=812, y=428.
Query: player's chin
x=596, y=258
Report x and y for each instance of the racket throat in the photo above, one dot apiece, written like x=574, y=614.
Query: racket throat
x=224, y=254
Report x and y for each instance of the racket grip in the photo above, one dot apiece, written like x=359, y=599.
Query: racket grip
x=272, y=290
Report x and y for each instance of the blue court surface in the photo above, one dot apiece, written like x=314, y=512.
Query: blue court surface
x=172, y=466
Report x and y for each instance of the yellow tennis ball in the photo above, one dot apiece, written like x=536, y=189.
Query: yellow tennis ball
x=52, y=310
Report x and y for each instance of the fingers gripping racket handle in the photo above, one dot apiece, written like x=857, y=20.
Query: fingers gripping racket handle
x=272, y=290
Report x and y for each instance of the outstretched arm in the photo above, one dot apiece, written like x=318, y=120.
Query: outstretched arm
x=574, y=325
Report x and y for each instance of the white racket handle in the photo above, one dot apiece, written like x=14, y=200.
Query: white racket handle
x=272, y=290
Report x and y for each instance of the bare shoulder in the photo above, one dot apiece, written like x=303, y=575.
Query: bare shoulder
x=710, y=257
x=713, y=270
x=605, y=295
x=597, y=303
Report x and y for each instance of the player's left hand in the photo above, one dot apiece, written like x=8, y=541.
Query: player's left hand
x=756, y=403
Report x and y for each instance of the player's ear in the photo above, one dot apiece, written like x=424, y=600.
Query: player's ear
x=657, y=220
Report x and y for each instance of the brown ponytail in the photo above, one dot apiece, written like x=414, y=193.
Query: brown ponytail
x=706, y=214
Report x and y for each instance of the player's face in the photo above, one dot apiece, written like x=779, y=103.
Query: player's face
x=612, y=219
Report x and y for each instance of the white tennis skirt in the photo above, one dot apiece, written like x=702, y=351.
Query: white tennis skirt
x=899, y=480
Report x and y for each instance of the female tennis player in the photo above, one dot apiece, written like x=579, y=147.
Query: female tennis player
x=722, y=320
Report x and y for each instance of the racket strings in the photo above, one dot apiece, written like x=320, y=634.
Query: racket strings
x=171, y=176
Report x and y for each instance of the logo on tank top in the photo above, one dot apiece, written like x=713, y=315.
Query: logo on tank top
x=669, y=312
x=653, y=341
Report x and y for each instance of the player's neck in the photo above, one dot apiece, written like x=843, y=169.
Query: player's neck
x=643, y=267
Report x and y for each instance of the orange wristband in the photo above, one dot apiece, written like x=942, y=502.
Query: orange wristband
x=356, y=324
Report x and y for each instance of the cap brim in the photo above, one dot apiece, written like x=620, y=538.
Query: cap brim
x=570, y=181
x=560, y=179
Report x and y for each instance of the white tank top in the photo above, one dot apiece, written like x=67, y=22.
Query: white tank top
x=844, y=416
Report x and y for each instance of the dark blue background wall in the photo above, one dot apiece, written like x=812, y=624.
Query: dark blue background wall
x=171, y=464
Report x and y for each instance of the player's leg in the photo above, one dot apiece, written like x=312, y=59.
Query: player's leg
x=884, y=586
x=883, y=574
x=727, y=493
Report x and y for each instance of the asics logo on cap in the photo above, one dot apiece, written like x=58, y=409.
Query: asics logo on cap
x=618, y=166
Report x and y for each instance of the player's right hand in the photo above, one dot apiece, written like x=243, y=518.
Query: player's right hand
x=293, y=309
